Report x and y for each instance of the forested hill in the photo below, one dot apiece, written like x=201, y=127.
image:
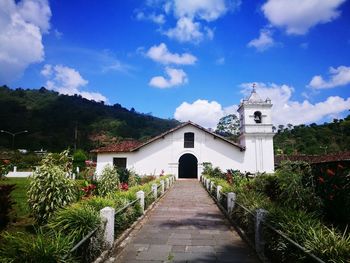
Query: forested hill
x=313, y=139
x=54, y=120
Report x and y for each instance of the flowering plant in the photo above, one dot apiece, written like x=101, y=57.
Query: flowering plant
x=88, y=190
x=124, y=187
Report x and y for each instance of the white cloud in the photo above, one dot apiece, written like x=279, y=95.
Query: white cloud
x=162, y=55
x=263, y=42
x=21, y=28
x=286, y=110
x=208, y=10
x=158, y=19
x=176, y=77
x=298, y=16
x=339, y=76
x=68, y=81
x=187, y=30
x=202, y=112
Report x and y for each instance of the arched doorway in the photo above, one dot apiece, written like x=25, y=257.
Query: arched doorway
x=188, y=166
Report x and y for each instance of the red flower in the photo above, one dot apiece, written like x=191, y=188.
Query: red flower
x=124, y=187
x=321, y=180
x=6, y=161
x=330, y=172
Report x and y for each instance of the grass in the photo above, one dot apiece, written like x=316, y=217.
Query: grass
x=19, y=195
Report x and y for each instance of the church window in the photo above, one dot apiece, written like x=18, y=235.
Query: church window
x=189, y=140
x=257, y=117
x=119, y=163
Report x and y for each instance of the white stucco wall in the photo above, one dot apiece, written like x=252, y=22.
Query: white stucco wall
x=164, y=154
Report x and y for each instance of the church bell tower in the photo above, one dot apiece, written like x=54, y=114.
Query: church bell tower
x=256, y=132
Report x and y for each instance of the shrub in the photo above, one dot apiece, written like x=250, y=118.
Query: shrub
x=98, y=203
x=20, y=247
x=123, y=175
x=108, y=181
x=147, y=178
x=296, y=191
x=76, y=220
x=333, y=186
x=5, y=204
x=49, y=188
x=134, y=179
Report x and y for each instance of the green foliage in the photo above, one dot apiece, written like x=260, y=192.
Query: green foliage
x=134, y=179
x=41, y=248
x=123, y=175
x=333, y=187
x=51, y=120
x=76, y=220
x=213, y=172
x=49, y=188
x=108, y=181
x=19, y=195
x=79, y=158
x=314, y=139
x=5, y=204
x=97, y=203
x=228, y=126
x=298, y=219
x=295, y=187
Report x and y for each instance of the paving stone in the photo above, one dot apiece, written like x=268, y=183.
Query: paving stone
x=186, y=226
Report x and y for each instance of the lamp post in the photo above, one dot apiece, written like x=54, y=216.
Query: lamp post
x=13, y=136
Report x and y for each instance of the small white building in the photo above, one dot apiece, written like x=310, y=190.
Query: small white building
x=183, y=150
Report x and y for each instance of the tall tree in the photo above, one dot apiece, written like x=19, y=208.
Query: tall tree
x=228, y=126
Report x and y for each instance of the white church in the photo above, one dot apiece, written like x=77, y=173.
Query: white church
x=183, y=150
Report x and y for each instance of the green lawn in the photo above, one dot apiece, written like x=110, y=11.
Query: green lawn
x=19, y=196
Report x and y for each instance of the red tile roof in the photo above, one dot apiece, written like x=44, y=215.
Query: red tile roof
x=325, y=158
x=131, y=146
x=123, y=146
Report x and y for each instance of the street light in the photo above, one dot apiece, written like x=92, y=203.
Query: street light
x=13, y=136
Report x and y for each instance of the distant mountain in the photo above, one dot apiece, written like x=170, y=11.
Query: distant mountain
x=313, y=139
x=55, y=122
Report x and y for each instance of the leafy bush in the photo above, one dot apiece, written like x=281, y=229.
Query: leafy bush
x=333, y=186
x=5, y=204
x=49, y=188
x=108, y=181
x=123, y=175
x=147, y=178
x=134, y=179
x=98, y=203
x=76, y=220
x=213, y=172
x=296, y=191
x=41, y=248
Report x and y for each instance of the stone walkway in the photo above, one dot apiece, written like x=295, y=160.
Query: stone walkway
x=186, y=226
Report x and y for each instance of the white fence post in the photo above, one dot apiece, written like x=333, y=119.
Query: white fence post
x=211, y=186
x=218, y=192
x=154, y=190
x=162, y=187
x=14, y=169
x=107, y=215
x=141, y=195
x=208, y=184
x=259, y=238
x=231, y=199
x=167, y=183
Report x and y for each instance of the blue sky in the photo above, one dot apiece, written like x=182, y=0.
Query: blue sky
x=189, y=60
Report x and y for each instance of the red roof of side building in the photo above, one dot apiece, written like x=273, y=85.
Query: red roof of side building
x=123, y=146
x=325, y=158
x=130, y=146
